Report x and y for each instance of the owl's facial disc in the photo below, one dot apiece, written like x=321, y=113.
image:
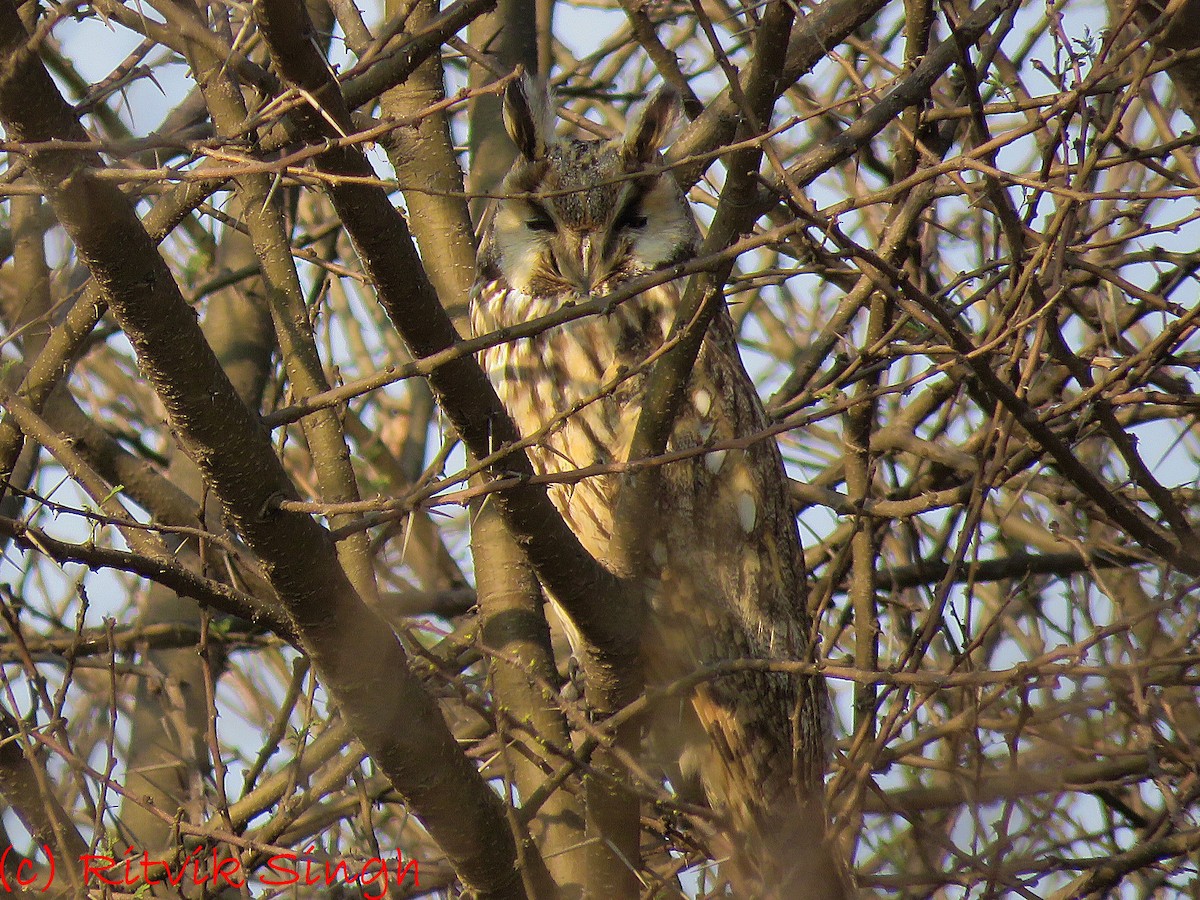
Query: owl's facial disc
x=582, y=218
x=592, y=236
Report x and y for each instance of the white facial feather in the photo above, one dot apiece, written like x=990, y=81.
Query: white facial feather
x=669, y=226
x=518, y=249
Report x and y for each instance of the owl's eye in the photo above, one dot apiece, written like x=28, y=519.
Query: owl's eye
x=630, y=217
x=539, y=220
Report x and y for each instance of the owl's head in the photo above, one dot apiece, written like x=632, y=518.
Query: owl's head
x=580, y=216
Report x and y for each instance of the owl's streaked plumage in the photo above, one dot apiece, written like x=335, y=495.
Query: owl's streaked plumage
x=581, y=218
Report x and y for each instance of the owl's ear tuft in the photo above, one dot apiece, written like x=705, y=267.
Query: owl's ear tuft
x=525, y=117
x=651, y=126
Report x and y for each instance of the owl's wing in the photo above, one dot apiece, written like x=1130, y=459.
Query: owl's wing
x=733, y=589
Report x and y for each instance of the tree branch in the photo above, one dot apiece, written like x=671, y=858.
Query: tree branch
x=359, y=660
x=386, y=248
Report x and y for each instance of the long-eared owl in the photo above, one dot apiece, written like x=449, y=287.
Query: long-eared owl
x=578, y=219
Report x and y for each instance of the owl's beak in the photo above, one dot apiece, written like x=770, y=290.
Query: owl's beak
x=583, y=264
x=589, y=257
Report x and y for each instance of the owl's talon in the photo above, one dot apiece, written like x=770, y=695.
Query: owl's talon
x=572, y=689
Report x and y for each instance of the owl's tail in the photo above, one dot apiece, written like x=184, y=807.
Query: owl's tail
x=773, y=802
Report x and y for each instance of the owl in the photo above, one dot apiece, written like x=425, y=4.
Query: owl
x=579, y=219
